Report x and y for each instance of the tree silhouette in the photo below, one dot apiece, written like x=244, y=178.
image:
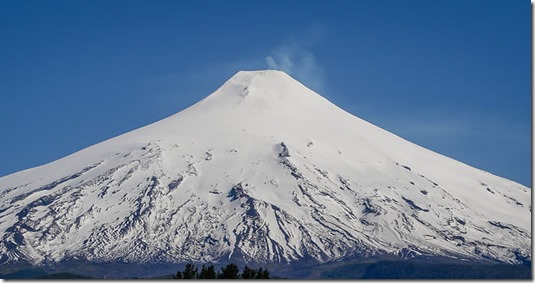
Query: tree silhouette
x=248, y=273
x=230, y=271
x=262, y=274
x=190, y=272
x=178, y=275
x=207, y=272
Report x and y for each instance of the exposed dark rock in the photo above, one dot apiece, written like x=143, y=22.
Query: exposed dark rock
x=174, y=184
x=370, y=208
x=499, y=225
x=284, y=152
x=413, y=205
x=236, y=192
x=294, y=172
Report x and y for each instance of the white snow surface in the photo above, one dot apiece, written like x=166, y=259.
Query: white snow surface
x=267, y=170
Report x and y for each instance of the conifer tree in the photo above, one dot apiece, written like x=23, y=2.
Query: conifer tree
x=207, y=272
x=230, y=271
x=248, y=273
x=265, y=274
x=178, y=275
x=262, y=274
x=190, y=272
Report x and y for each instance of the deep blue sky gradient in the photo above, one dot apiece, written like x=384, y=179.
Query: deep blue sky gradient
x=453, y=76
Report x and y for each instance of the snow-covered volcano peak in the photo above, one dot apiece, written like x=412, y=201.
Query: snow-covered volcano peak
x=262, y=81
x=266, y=170
x=261, y=90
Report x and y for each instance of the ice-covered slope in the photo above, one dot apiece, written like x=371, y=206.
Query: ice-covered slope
x=266, y=170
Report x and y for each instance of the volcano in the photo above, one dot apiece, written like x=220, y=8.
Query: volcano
x=262, y=171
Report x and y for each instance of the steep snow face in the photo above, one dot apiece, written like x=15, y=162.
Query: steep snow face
x=266, y=170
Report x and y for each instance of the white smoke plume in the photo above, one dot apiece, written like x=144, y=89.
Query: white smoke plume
x=297, y=59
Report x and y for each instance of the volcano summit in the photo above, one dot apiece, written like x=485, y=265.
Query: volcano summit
x=263, y=170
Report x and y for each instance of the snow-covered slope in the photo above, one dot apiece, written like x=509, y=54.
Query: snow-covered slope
x=266, y=170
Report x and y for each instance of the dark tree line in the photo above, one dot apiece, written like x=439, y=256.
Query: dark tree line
x=231, y=271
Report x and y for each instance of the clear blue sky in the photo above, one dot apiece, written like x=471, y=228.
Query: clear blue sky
x=453, y=76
